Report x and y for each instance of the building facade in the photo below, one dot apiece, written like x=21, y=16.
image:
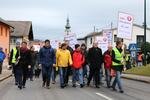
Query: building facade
x=5, y=30
x=137, y=37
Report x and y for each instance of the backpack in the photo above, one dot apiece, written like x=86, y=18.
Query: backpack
x=2, y=56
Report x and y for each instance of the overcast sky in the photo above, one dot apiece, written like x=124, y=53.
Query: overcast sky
x=49, y=16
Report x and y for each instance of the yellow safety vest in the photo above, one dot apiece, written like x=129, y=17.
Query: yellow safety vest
x=14, y=55
x=118, y=56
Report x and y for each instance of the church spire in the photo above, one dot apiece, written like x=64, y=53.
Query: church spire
x=67, y=27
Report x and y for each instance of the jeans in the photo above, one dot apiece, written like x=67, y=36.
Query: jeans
x=117, y=80
x=140, y=63
x=77, y=74
x=108, y=77
x=46, y=74
x=53, y=74
x=63, y=74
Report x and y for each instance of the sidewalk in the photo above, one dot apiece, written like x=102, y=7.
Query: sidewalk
x=5, y=72
x=144, y=79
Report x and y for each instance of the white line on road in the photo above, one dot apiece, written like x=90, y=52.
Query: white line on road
x=104, y=96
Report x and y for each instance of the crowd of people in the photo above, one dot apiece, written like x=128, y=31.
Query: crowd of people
x=83, y=65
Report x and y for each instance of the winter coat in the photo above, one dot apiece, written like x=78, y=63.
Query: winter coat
x=107, y=60
x=78, y=59
x=47, y=56
x=95, y=57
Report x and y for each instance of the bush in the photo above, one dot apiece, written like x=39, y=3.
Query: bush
x=147, y=47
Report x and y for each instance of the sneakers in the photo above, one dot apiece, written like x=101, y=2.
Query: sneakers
x=47, y=87
x=97, y=86
x=74, y=85
x=20, y=87
x=81, y=85
x=43, y=85
x=121, y=91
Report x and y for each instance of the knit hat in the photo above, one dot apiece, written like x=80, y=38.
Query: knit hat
x=76, y=46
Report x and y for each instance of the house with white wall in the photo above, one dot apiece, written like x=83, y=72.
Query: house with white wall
x=137, y=36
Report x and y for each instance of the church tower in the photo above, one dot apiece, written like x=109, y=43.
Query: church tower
x=67, y=27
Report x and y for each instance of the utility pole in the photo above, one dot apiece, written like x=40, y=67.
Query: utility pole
x=145, y=32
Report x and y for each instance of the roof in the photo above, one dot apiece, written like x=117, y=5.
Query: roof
x=93, y=34
x=22, y=28
x=5, y=22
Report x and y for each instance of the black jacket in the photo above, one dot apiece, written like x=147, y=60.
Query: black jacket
x=95, y=57
x=25, y=58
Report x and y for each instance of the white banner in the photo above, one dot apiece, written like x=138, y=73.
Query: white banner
x=125, y=24
x=55, y=44
x=108, y=34
x=102, y=42
x=72, y=40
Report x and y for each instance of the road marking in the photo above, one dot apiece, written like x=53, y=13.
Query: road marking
x=104, y=96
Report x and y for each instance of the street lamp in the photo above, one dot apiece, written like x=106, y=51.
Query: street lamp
x=145, y=32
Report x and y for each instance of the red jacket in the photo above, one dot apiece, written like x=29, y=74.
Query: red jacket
x=78, y=59
x=107, y=60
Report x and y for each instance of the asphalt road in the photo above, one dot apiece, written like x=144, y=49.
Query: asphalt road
x=34, y=91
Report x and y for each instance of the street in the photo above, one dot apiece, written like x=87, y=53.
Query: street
x=133, y=91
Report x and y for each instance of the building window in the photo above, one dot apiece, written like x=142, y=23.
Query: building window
x=139, y=40
x=91, y=40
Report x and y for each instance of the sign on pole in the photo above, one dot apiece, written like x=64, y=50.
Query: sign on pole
x=108, y=34
x=125, y=24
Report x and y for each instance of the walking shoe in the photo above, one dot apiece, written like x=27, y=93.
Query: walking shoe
x=74, y=85
x=47, y=87
x=97, y=86
x=16, y=83
x=114, y=89
x=81, y=85
x=53, y=82
x=43, y=85
x=23, y=87
x=121, y=91
x=20, y=87
x=62, y=87
x=88, y=84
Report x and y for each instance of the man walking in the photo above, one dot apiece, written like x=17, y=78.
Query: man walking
x=47, y=61
x=78, y=61
x=23, y=65
x=95, y=60
x=14, y=55
x=117, y=65
x=63, y=59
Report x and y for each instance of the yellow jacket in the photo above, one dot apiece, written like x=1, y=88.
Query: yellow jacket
x=63, y=58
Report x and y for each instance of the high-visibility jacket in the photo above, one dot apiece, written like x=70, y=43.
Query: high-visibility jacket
x=14, y=55
x=140, y=57
x=118, y=56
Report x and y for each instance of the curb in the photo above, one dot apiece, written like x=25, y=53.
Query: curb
x=3, y=78
x=134, y=79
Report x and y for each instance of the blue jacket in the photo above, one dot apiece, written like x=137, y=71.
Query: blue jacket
x=2, y=56
x=47, y=56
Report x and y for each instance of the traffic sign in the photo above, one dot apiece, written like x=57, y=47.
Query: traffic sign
x=133, y=47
